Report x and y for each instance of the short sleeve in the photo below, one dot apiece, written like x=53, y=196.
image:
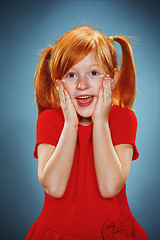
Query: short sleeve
x=46, y=131
x=123, y=125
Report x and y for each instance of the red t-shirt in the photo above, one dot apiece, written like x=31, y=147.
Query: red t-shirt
x=82, y=212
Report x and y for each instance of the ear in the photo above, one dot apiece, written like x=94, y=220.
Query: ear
x=115, y=78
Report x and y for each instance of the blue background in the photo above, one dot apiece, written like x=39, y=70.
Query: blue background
x=26, y=28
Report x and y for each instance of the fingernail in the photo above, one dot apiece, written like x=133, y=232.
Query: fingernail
x=57, y=81
x=107, y=76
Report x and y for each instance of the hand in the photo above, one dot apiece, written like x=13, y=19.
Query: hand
x=104, y=102
x=68, y=108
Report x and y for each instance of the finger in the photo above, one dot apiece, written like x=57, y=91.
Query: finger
x=108, y=91
x=101, y=94
x=108, y=87
x=69, y=104
x=105, y=90
x=108, y=80
x=58, y=87
x=68, y=100
x=61, y=95
x=57, y=84
x=62, y=99
x=67, y=97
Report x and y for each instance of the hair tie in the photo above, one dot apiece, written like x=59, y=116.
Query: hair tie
x=111, y=39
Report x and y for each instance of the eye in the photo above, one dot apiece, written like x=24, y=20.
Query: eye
x=71, y=75
x=93, y=73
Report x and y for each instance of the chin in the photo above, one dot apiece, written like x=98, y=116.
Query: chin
x=85, y=115
x=85, y=112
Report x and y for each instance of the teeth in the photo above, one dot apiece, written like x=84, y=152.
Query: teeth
x=84, y=97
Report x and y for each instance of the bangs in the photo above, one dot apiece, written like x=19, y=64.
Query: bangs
x=103, y=55
x=78, y=50
x=74, y=46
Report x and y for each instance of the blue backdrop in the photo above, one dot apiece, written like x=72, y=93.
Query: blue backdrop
x=26, y=28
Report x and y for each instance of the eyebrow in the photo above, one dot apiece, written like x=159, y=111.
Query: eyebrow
x=92, y=65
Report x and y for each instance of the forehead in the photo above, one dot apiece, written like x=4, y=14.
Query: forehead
x=88, y=61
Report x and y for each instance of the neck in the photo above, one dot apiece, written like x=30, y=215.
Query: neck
x=84, y=121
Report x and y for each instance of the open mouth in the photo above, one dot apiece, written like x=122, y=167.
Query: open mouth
x=84, y=100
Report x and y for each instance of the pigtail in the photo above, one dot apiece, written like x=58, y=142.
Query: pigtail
x=125, y=89
x=45, y=89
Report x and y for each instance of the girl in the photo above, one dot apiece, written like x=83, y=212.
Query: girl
x=86, y=144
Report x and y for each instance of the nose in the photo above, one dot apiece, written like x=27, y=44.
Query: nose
x=83, y=83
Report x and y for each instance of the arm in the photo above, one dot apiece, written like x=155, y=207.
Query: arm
x=112, y=164
x=55, y=163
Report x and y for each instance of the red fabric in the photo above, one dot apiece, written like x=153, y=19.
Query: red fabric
x=82, y=213
x=123, y=126
x=48, y=124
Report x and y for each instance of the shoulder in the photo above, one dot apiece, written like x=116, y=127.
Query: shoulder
x=51, y=115
x=122, y=115
x=123, y=126
x=49, y=125
x=49, y=119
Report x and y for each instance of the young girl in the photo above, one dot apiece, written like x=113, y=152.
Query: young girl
x=86, y=144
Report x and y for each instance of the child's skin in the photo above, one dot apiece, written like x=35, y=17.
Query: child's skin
x=86, y=87
x=112, y=164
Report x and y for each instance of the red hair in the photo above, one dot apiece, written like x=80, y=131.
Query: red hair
x=70, y=49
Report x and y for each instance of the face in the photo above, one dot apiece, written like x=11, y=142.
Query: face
x=82, y=82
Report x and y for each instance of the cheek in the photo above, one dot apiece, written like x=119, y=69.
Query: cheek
x=97, y=87
x=71, y=92
x=69, y=89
